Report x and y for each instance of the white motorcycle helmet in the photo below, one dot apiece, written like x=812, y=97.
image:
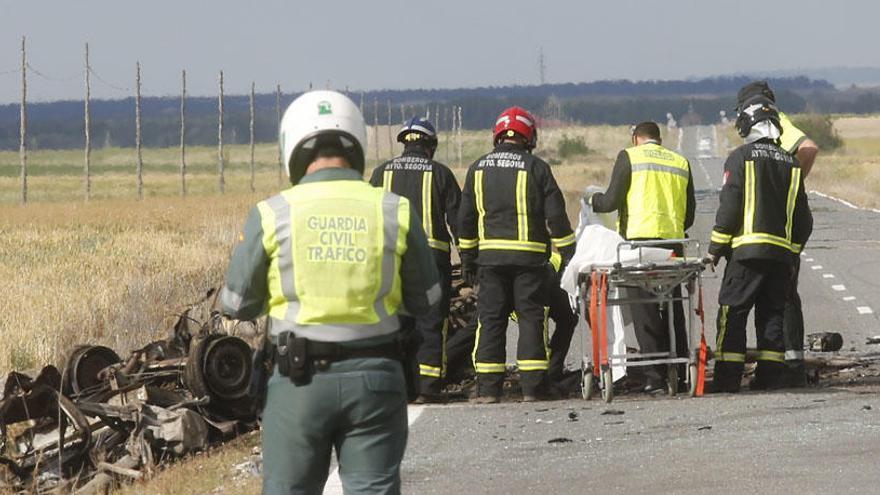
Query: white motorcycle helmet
x=320, y=119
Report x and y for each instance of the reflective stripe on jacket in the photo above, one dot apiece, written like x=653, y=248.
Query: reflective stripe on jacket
x=512, y=209
x=430, y=187
x=656, y=202
x=332, y=259
x=763, y=211
x=334, y=249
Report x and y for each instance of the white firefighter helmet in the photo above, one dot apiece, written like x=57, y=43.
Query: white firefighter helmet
x=320, y=119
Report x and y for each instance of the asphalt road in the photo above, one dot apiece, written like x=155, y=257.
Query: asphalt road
x=824, y=439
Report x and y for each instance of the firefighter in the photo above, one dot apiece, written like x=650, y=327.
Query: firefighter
x=461, y=344
x=434, y=193
x=333, y=261
x=762, y=223
x=652, y=190
x=509, y=202
x=794, y=142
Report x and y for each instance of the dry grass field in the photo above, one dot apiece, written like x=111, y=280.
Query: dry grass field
x=851, y=172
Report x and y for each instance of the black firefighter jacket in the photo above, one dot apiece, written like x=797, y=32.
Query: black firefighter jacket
x=430, y=187
x=512, y=210
x=763, y=212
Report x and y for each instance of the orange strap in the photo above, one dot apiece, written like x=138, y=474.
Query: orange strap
x=701, y=357
x=594, y=323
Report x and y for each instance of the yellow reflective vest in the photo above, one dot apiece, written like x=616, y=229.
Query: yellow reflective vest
x=334, y=252
x=656, y=202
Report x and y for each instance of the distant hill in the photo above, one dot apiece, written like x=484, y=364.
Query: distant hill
x=60, y=124
x=841, y=77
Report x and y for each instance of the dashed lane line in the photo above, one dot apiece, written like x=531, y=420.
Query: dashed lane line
x=865, y=310
x=827, y=275
x=839, y=288
x=817, y=267
x=849, y=298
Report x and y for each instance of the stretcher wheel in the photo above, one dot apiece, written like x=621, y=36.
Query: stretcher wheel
x=672, y=379
x=692, y=380
x=607, y=385
x=588, y=383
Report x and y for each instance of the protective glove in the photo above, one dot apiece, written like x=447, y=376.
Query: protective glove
x=469, y=268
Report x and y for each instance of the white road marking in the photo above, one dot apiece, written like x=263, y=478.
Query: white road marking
x=864, y=310
x=816, y=267
x=838, y=287
x=706, y=173
x=843, y=202
x=849, y=298
x=809, y=260
x=827, y=275
x=334, y=483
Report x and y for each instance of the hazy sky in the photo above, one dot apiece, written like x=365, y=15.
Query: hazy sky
x=411, y=44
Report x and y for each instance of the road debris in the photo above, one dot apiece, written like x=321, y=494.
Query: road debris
x=560, y=440
x=612, y=412
x=103, y=419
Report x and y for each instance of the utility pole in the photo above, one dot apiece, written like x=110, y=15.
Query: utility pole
x=88, y=130
x=542, y=66
x=183, y=134
x=22, y=149
x=137, y=132
x=220, y=164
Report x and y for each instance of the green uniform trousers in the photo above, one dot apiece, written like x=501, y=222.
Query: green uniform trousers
x=358, y=407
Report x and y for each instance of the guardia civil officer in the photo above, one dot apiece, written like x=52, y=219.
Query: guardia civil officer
x=652, y=190
x=333, y=261
x=762, y=223
x=512, y=211
x=434, y=193
x=794, y=142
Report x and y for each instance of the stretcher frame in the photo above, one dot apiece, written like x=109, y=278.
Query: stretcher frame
x=659, y=279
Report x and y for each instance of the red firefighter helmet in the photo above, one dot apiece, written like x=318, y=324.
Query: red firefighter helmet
x=516, y=120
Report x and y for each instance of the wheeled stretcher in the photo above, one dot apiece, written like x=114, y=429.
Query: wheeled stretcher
x=603, y=286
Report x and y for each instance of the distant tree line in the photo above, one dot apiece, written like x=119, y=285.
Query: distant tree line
x=59, y=125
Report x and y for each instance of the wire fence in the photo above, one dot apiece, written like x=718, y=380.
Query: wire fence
x=447, y=119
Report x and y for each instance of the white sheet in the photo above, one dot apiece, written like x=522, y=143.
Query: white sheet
x=597, y=246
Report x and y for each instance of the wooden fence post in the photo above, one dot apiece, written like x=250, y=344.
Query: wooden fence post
x=87, y=124
x=278, y=134
x=220, y=165
x=253, y=187
x=22, y=149
x=137, y=132
x=183, y=134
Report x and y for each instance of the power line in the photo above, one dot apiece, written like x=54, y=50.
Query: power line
x=51, y=78
x=11, y=71
x=106, y=83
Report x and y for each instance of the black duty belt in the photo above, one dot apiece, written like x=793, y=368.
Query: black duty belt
x=297, y=357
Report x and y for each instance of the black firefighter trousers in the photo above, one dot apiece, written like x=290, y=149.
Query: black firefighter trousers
x=503, y=289
x=764, y=285
x=460, y=346
x=432, y=327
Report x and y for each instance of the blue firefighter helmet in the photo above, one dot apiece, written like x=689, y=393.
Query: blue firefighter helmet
x=418, y=129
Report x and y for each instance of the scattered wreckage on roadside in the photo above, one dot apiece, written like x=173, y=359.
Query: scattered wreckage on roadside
x=102, y=417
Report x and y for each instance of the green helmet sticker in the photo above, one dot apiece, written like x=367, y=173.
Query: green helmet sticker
x=324, y=108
